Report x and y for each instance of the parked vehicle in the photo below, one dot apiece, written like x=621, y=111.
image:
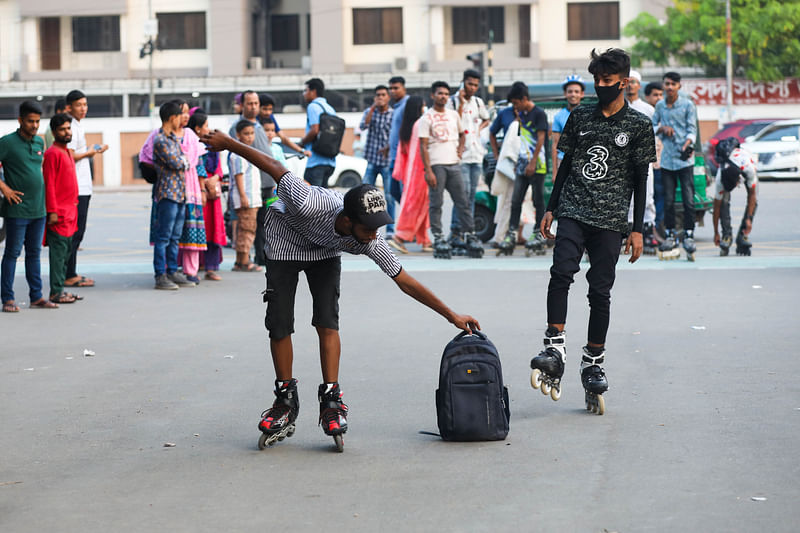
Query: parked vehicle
x=777, y=148
x=349, y=170
x=740, y=129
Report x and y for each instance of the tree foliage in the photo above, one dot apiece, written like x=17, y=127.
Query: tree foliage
x=765, y=37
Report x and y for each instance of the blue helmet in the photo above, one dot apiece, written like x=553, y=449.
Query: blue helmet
x=573, y=78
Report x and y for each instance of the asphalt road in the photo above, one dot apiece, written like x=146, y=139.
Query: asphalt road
x=700, y=434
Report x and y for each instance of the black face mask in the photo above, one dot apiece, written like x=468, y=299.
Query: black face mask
x=607, y=94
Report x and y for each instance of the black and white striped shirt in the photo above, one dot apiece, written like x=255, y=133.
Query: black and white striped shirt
x=300, y=227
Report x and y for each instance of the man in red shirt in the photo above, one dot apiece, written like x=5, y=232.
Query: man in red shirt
x=61, y=201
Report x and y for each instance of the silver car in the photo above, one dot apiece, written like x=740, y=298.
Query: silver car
x=777, y=150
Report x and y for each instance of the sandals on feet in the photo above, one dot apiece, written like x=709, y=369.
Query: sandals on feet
x=41, y=303
x=10, y=307
x=80, y=281
x=63, y=298
x=249, y=267
x=213, y=275
x=397, y=244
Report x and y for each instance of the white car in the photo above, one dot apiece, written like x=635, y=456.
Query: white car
x=777, y=150
x=348, y=173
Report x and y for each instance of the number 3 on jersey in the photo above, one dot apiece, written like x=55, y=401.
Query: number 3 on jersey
x=596, y=168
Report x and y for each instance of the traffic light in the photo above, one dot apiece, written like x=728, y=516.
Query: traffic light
x=477, y=60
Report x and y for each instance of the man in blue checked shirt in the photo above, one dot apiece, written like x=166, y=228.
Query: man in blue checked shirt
x=377, y=121
x=675, y=123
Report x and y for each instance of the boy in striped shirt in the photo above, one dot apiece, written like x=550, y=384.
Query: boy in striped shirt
x=307, y=229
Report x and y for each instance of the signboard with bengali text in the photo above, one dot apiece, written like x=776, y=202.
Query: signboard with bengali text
x=714, y=91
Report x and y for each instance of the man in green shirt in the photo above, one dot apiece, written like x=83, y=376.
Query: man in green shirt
x=21, y=154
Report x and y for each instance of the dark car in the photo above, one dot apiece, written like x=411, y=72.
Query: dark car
x=741, y=129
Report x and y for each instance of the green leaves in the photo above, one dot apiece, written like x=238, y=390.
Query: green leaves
x=765, y=37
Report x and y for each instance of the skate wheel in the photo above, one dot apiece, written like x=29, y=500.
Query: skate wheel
x=262, y=441
x=290, y=431
x=601, y=405
x=339, y=441
x=528, y=252
x=545, y=388
x=690, y=257
x=536, y=378
x=555, y=393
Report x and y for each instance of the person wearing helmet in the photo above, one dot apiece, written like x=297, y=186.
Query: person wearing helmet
x=735, y=165
x=573, y=92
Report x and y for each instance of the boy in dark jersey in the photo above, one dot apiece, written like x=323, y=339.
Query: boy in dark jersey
x=607, y=149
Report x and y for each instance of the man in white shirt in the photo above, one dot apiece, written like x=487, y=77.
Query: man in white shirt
x=441, y=144
x=632, y=92
x=77, y=107
x=474, y=117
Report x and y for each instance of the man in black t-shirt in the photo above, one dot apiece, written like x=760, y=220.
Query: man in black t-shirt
x=607, y=149
x=531, y=166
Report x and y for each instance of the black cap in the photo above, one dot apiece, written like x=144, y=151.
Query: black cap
x=366, y=204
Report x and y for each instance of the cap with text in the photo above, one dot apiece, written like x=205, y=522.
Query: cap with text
x=367, y=205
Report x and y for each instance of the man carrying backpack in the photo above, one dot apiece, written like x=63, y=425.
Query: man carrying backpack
x=308, y=228
x=735, y=165
x=320, y=166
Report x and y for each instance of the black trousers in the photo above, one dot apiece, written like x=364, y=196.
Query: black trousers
x=572, y=238
x=83, y=212
x=261, y=232
x=521, y=183
x=670, y=179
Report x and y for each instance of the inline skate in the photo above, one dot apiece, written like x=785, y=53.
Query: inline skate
x=650, y=243
x=593, y=378
x=474, y=247
x=535, y=244
x=277, y=422
x=688, y=244
x=725, y=245
x=668, y=249
x=743, y=244
x=507, y=245
x=441, y=248
x=548, y=366
x=332, y=413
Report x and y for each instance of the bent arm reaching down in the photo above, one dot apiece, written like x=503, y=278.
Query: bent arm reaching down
x=409, y=285
x=218, y=141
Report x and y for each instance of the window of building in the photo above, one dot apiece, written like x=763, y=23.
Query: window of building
x=285, y=32
x=181, y=31
x=472, y=24
x=591, y=21
x=378, y=25
x=95, y=34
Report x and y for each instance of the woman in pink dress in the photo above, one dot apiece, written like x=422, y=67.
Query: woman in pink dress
x=212, y=210
x=412, y=223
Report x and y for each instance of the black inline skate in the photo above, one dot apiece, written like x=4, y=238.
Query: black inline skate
x=441, y=248
x=277, y=422
x=743, y=244
x=725, y=245
x=650, y=243
x=535, y=244
x=458, y=245
x=474, y=246
x=507, y=245
x=668, y=249
x=548, y=366
x=594, y=379
x=688, y=244
x=332, y=413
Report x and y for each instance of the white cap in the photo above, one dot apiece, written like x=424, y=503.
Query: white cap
x=635, y=74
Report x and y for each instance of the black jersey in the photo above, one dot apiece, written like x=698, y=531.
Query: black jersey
x=608, y=154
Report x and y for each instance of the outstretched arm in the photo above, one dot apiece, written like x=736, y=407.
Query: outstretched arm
x=218, y=141
x=409, y=285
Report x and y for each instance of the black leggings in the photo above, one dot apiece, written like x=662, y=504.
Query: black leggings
x=572, y=238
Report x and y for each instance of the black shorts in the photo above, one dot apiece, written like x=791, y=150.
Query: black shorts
x=323, y=281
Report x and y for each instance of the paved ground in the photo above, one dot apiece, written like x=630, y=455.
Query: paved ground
x=700, y=435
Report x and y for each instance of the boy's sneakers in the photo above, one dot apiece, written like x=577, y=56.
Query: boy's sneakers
x=180, y=280
x=165, y=284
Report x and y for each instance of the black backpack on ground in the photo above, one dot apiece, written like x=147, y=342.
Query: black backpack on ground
x=331, y=133
x=471, y=401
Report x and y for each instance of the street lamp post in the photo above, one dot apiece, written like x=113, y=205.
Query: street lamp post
x=728, y=63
